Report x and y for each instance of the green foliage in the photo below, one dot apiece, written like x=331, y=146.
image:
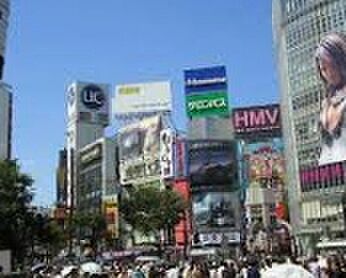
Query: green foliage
x=148, y=209
x=15, y=216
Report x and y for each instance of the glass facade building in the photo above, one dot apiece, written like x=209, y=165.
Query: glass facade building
x=298, y=26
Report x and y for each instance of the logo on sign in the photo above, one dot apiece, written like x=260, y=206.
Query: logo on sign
x=93, y=97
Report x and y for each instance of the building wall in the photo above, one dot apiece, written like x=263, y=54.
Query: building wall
x=5, y=121
x=298, y=27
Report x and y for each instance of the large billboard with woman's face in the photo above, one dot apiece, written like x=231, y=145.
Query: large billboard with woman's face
x=213, y=163
x=331, y=64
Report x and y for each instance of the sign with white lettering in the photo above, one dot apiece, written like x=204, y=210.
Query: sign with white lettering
x=201, y=105
x=257, y=120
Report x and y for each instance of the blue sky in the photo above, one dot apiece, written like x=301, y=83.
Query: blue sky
x=51, y=43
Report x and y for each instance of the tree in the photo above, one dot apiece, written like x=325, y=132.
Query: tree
x=15, y=216
x=148, y=209
x=91, y=226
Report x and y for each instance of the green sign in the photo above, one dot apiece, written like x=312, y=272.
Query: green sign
x=207, y=104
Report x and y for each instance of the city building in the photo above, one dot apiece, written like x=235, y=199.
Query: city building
x=87, y=117
x=4, y=18
x=298, y=27
x=5, y=90
x=5, y=121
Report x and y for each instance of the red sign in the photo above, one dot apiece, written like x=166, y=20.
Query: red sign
x=318, y=176
x=257, y=119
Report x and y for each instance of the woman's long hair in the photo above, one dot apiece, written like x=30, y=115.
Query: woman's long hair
x=333, y=46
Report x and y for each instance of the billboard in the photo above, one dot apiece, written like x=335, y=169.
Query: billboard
x=211, y=104
x=265, y=165
x=139, y=151
x=205, y=79
x=110, y=208
x=213, y=163
x=317, y=177
x=257, y=120
x=330, y=57
x=142, y=97
x=206, y=92
x=216, y=210
x=181, y=158
x=88, y=102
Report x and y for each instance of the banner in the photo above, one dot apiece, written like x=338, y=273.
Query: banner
x=257, y=120
x=139, y=151
x=214, y=163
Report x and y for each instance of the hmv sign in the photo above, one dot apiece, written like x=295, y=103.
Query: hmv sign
x=257, y=120
x=93, y=97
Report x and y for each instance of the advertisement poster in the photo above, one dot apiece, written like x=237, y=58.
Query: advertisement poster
x=139, y=151
x=216, y=209
x=265, y=163
x=206, y=92
x=330, y=57
x=213, y=163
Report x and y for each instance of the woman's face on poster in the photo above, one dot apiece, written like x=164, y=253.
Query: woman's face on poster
x=329, y=71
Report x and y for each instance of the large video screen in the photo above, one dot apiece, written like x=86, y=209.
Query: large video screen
x=216, y=209
x=213, y=162
x=330, y=57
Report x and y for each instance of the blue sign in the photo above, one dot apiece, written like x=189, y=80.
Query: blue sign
x=205, y=80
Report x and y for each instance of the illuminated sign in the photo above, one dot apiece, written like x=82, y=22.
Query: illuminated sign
x=257, y=119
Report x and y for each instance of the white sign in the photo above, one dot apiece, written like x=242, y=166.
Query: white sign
x=142, y=97
x=167, y=153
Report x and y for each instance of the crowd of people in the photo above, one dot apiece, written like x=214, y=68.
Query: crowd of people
x=250, y=267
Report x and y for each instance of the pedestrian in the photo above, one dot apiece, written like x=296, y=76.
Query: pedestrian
x=253, y=271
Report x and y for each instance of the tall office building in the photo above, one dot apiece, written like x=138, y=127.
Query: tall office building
x=87, y=117
x=298, y=27
x=5, y=90
x=4, y=16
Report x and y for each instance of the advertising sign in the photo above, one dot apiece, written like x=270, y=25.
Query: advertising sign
x=215, y=238
x=265, y=161
x=316, y=177
x=216, y=210
x=202, y=105
x=143, y=97
x=180, y=160
x=257, y=120
x=94, y=153
x=214, y=163
x=167, y=138
x=205, y=79
x=111, y=215
x=88, y=102
x=206, y=92
x=139, y=151
x=330, y=57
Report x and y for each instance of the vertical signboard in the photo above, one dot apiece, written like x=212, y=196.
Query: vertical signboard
x=167, y=138
x=206, y=92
